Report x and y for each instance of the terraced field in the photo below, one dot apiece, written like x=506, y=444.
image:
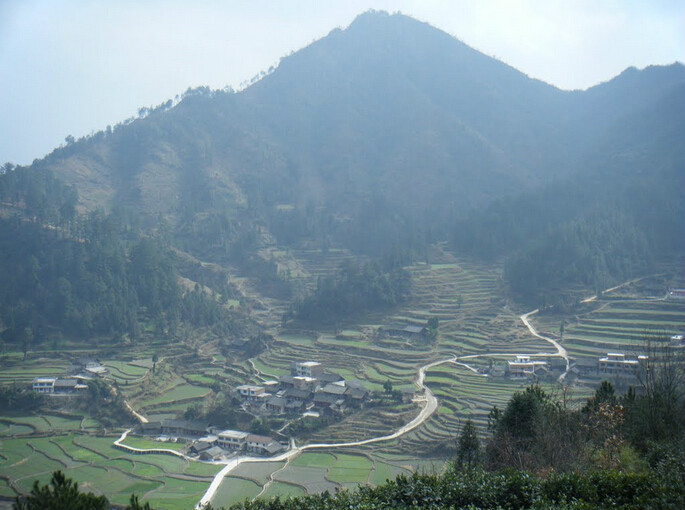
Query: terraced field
x=310, y=472
x=616, y=323
x=166, y=482
x=474, y=320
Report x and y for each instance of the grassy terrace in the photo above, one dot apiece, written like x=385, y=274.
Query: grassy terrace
x=474, y=319
x=310, y=472
x=616, y=324
x=99, y=467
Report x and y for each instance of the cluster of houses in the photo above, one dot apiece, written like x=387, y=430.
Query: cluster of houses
x=74, y=382
x=211, y=443
x=614, y=363
x=308, y=388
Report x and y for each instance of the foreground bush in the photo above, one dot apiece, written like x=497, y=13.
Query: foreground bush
x=508, y=490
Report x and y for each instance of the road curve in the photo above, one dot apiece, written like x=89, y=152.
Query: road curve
x=561, y=352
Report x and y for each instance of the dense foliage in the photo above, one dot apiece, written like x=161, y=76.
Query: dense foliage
x=62, y=493
x=14, y=399
x=355, y=288
x=512, y=490
x=622, y=213
x=83, y=276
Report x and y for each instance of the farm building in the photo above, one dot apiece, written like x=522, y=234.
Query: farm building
x=249, y=392
x=44, y=384
x=408, y=332
x=212, y=453
x=57, y=386
x=617, y=363
x=263, y=445
x=183, y=428
x=306, y=369
x=523, y=366
x=232, y=439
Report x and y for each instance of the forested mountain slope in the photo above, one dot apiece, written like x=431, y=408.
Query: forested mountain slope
x=390, y=135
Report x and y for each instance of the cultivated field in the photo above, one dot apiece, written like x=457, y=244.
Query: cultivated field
x=474, y=320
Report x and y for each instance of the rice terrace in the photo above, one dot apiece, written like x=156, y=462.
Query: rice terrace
x=388, y=271
x=478, y=334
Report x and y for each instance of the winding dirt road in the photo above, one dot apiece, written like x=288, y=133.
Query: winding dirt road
x=561, y=352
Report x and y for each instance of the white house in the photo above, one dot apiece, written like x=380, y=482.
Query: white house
x=617, y=363
x=308, y=369
x=44, y=384
x=523, y=366
x=231, y=439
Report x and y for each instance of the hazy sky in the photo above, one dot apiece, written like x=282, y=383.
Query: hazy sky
x=73, y=67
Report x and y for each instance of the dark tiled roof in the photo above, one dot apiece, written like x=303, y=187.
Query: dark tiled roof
x=325, y=398
x=295, y=393
x=334, y=389
x=185, y=425
x=276, y=401
x=65, y=383
x=255, y=438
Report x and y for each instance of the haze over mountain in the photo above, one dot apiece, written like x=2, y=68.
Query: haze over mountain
x=390, y=135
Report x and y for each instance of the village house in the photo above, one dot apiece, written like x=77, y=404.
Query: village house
x=212, y=453
x=276, y=405
x=251, y=393
x=522, y=366
x=617, y=363
x=151, y=428
x=408, y=332
x=676, y=294
x=183, y=428
x=303, y=389
x=44, y=384
x=231, y=439
x=263, y=445
x=198, y=447
x=306, y=369
x=68, y=387
x=58, y=386
x=88, y=367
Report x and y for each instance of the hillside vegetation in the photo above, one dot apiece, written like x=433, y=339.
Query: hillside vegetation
x=391, y=135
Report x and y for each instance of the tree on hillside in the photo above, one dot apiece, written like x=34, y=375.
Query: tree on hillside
x=534, y=431
x=61, y=494
x=658, y=412
x=468, y=446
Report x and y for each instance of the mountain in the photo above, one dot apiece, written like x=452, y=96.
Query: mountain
x=385, y=136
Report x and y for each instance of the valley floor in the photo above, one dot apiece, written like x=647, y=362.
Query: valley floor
x=465, y=369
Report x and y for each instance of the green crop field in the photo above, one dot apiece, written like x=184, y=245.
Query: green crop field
x=350, y=469
x=180, y=392
x=103, y=469
x=234, y=490
x=474, y=319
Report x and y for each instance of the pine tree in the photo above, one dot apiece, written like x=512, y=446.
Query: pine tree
x=468, y=446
